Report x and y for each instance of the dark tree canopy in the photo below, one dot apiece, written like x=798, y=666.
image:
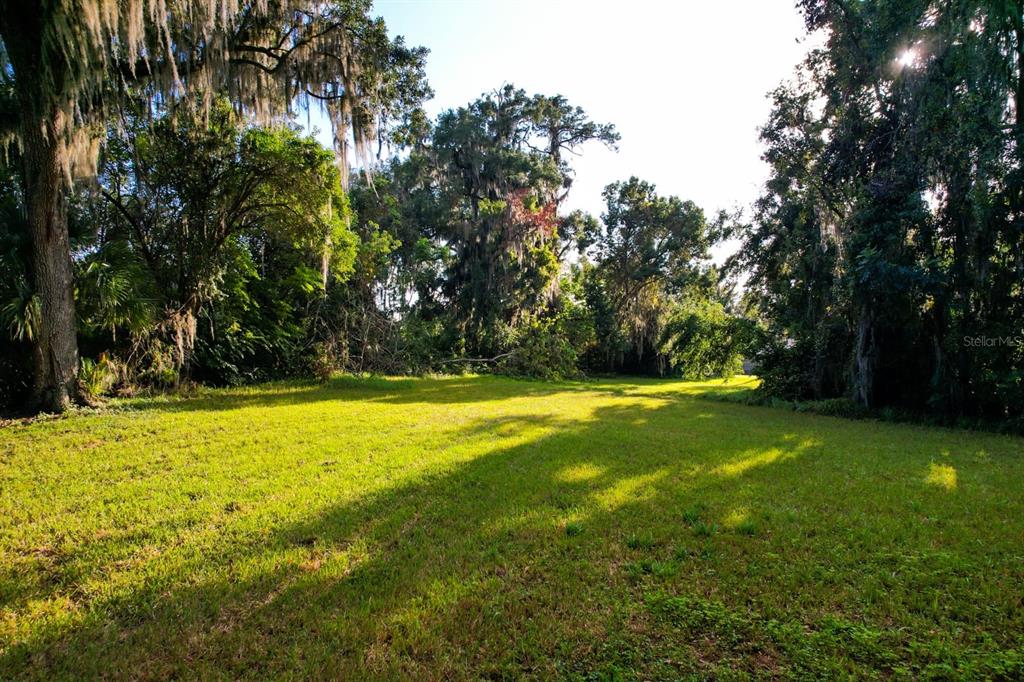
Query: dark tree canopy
x=881, y=266
x=888, y=239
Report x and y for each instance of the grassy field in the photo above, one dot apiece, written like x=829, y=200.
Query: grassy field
x=486, y=527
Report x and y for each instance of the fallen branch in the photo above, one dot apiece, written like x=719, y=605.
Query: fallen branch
x=481, y=360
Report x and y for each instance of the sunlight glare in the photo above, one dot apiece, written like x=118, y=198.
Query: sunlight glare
x=908, y=58
x=629, y=490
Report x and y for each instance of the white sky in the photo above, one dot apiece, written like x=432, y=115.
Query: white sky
x=684, y=82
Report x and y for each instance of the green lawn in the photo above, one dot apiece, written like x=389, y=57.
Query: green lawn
x=486, y=527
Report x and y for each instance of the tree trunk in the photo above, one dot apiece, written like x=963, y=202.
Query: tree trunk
x=865, y=359
x=325, y=265
x=1017, y=18
x=43, y=127
x=56, y=352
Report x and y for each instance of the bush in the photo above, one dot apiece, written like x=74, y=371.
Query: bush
x=324, y=362
x=783, y=371
x=836, y=407
x=157, y=366
x=425, y=345
x=96, y=377
x=541, y=350
x=702, y=340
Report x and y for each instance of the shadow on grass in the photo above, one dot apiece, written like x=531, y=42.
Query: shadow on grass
x=444, y=390
x=527, y=560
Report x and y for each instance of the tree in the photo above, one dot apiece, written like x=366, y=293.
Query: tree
x=700, y=339
x=887, y=236
x=68, y=63
x=794, y=255
x=646, y=248
x=474, y=240
x=182, y=191
x=500, y=176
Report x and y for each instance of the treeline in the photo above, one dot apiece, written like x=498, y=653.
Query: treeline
x=213, y=250
x=72, y=72
x=166, y=220
x=886, y=254
x=478, y=267
x=212, y=240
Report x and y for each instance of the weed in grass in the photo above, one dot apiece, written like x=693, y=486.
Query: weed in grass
x=641, y=541
x=664, y=569
x=746, y=527
x=637, y=569
x=692, y=515
x=703, y=529
x=651, y=567
x=572, y=529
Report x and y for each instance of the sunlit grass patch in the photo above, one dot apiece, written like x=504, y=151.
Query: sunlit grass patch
x=941, y=476
x=470, y=526
x=580, y=473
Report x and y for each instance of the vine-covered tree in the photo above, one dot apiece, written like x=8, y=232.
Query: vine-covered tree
x=501, y=175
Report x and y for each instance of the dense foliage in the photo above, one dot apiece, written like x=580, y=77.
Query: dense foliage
x=215, y=250
x=886, y=252
x=467, y=263
x=68, y=66
x=882, y=265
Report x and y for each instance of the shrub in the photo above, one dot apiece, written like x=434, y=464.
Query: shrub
x=701, y=339
x=540, y=350
x=323, y=362
x=96, y=377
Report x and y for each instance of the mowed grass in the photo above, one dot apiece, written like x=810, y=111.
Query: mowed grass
x=485, y=527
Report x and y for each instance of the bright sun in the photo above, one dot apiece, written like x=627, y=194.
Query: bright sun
x=908, y=58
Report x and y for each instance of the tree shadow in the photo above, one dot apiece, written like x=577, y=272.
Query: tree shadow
x=451, y=390
x=442, y=390
x=525, y=560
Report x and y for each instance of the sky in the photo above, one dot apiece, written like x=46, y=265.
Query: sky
x=684, y=82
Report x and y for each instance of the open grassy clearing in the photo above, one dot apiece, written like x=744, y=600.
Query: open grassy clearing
x=485, y=527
